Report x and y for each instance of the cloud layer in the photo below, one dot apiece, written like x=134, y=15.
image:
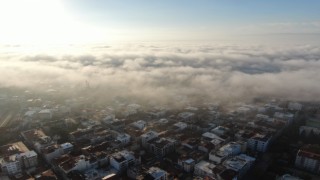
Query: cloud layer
x=163, y=73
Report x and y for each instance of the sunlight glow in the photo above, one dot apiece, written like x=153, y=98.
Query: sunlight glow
x=42, y=22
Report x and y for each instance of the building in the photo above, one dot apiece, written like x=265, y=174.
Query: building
x=308, y=158
x=51, y=152
x=78, y=163
x=312, y=125
x=161, y=146
x=218, y=157
x=45, y=114
x=294, y=106
x=15, y=157
x=230, y=149
x=204, y=169
x=11, y=165
x=259, y=142
x=29, y=115
x=220, y=130
x=179, y=126
x=109, y=119
x=29, y=159
x=56, y=150
x=287, y=117
x=123, y=138
x=121, y=160
x=141, y=125
x=94, y=134
x=187, y=116
x=240, y=164
x=156, y=173
x=37, y=138
x=147, y=137
x=187, y=164
x=208, y=136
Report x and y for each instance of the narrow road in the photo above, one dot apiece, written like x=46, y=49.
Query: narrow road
x=5, y=118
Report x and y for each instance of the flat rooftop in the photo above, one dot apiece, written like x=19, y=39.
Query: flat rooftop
x=13, y=148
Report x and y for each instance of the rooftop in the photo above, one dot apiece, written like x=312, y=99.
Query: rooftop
x=238, y=162
x=36, y=135
x=206, y=166
x=186, y=115
x=160, y=142
x=14, y=148
x=310, y=151
x=149, y=134
x=211, y=136
x=261, y=137
x=122, y=156
x=156, y=172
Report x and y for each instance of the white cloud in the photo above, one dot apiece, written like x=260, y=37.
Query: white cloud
x=159, y=73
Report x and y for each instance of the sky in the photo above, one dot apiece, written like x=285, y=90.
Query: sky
x=163, y=51
x=108, y=21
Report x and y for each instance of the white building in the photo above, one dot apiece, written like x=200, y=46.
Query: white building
x=230, y=149
x=29, y=159
x=139, y=124
x=121, y=160
x=218, y=157
x=187, y=164
x=220, y=130
x=45, y=114
x=210, y=136
x=180, y=126
x=15, y=157
x=214, y=139
x=259, y=142
x=147, y=137
x=10, y=166
x=30, y=114
x=204, y=168
x=308, y=158
x=109, y=119
x=241, y=164
x=156, y=174
x=123, y=138
x=187, y=116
